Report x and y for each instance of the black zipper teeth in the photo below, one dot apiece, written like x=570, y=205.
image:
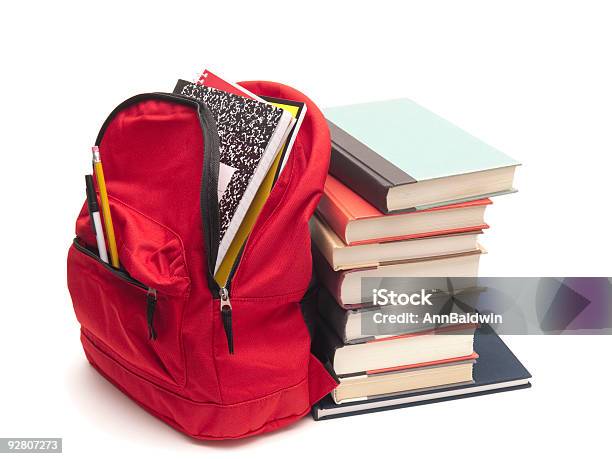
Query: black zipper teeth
x=212, y=202
x=235, y=266
x=209, y=201
x=117, y=272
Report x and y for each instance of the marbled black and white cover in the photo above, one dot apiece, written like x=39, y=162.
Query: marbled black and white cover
x=250, y=135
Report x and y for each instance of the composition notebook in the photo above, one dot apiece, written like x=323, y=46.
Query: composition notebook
x=298, y=111
x=251, y=133
x=496, y=370
x=400, y=156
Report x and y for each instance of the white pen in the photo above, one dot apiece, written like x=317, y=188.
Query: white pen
x=94, y=215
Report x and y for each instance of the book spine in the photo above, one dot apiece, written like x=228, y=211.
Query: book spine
x=333, y=313
x=322, y=239
x=334, y=214
x=331, y=279
x=325, y=344
x=359, y=177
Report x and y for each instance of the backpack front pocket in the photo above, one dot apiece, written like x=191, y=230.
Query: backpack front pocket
x=134, y=313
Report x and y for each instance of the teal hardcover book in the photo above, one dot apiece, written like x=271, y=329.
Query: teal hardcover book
x=401, y=156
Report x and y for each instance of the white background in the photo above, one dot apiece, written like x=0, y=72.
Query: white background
x=531, y=78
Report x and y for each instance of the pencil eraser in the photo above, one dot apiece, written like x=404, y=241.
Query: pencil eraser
x=95, y=153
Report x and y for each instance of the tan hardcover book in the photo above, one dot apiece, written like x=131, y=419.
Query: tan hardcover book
x=342, y=256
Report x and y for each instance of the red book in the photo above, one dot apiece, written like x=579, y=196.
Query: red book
x=213, y=81
x=356, y=221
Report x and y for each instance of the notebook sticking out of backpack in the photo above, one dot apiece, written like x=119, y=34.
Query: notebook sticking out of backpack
x=297, y=109
x=251, y=134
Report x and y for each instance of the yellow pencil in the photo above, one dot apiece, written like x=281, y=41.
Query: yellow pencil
x=106, y=213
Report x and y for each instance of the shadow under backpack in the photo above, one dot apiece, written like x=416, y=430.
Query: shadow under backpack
x=161, y=161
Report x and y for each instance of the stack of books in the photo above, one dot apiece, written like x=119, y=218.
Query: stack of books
x=406, y=197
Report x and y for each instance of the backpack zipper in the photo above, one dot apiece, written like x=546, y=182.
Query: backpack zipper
x=208, y=202
x=226, y=304
x=151, y=303
x=226, y=317
x=151, y=293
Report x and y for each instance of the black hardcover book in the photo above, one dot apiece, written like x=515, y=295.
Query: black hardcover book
x=496, y=370
x=347, y=321
x=364, y=170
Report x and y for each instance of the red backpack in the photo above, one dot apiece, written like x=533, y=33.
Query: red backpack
x=158, y=329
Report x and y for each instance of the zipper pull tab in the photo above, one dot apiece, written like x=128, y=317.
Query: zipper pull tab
x=226, y=317
x=151, y=303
